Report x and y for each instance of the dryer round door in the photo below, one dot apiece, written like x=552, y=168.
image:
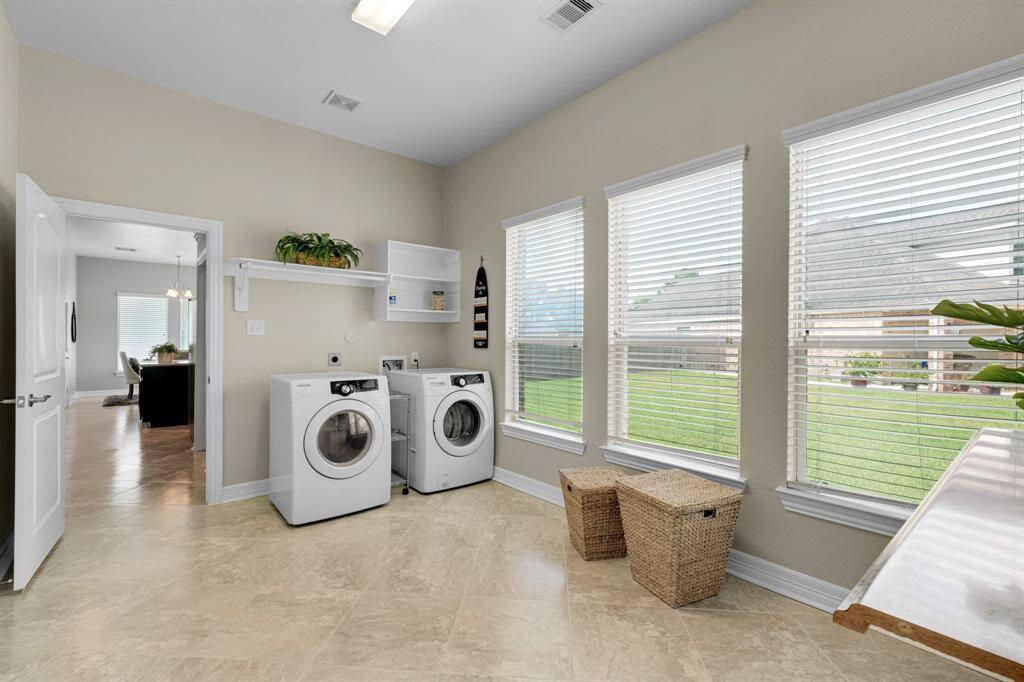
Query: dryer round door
x=461, y=423
x=343, y=438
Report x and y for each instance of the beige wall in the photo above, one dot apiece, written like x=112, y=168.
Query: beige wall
x=8, y=168
x=743, y=80
x=92, y=134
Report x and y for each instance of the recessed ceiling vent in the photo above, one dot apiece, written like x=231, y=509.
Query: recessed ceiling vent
x=333, y=99
x=125, y=248
x=565, y=15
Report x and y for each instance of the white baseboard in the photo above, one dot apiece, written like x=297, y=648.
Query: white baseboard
x=801, y=587
x=99, y=393
x=243, y=491
x=6, y=554
x=771, y=576
x=530, y=486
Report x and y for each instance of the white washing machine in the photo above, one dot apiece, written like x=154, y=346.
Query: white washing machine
x=453, y=426
x=330, y=444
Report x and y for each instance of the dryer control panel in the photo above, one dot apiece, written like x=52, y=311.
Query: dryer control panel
x=346, y=388
x=462, y=380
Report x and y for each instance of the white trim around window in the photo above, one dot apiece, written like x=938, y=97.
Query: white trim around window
x=911, y=99
x=552, y=438
x=540, y=213
x=645, y=458
x=544, y=326
x=675, y=241
x=874, y=515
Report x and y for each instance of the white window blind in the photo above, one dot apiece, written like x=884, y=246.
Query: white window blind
x=141, y=324
x=887, y=218
x=674, y=307
x=544, y=317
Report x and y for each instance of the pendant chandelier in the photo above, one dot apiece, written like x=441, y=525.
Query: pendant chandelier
x=175, y=291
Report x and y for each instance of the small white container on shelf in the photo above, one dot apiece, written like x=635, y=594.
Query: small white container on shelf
x=415, y=272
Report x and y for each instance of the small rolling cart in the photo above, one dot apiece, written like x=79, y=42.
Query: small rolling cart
x=401, y=447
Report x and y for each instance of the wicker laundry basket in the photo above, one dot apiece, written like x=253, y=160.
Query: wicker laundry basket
x=679, y=531
x=592, y=509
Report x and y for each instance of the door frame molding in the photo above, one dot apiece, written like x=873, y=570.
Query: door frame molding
x=214, y=230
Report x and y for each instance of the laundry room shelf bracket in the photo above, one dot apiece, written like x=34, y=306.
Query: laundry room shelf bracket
x=244, y=270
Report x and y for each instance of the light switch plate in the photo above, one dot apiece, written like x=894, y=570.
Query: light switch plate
x=255, y=327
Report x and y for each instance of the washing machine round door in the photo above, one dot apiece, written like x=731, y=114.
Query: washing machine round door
x=343, y=439
x=461, y=423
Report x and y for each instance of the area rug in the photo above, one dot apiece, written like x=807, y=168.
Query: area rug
x=119, y=400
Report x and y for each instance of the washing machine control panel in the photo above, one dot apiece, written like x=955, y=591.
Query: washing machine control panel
x=345, y=388
x=463, y=380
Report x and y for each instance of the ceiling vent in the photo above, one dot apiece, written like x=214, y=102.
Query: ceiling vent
x=565, y=15
x=125, y=248
x=333, y=99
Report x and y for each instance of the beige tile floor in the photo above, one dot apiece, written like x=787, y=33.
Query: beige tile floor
x=472, y=584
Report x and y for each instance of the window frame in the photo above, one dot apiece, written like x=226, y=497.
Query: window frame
x=648, y=455
x=117, y=312
x=513, y=423
x=873, y=512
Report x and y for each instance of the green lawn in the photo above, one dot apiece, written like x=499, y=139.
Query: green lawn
x=856, y=437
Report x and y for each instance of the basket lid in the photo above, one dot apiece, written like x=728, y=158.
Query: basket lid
x=592, y=479
x=678, y=492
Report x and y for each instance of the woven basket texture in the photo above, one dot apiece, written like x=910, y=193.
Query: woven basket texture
x=333, y=262
x=679, y=531
x=592, y=510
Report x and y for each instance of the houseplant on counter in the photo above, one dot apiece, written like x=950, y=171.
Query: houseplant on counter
x=164, y=352
x=992, y=316
x=317, y=248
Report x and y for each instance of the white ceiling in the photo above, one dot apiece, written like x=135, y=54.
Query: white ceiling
x=97, y=239
x=452, y=77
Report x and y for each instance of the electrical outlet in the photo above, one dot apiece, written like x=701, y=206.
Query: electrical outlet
x=414, y=356
x=334, y=359
x=255, y=327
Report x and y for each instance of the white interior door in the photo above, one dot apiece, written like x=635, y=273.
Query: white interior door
x=39, y=493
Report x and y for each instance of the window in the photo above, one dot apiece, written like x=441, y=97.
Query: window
x=675, y=257
x=544, y=317
x=141, y=324
x=919, y=202
x=186, y=323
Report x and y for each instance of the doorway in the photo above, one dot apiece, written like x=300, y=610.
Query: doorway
x=160, y=453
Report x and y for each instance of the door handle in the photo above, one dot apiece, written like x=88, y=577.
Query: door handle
x=32, y=399
x=17, y=401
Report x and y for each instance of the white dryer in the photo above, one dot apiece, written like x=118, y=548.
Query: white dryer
x=330, y=444
x=453, y=426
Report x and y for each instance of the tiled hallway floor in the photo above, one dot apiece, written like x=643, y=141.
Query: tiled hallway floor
x=149, y=584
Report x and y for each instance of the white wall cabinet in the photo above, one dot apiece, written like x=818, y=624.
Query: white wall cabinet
x=414, y=272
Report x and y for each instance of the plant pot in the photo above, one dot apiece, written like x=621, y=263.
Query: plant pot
x=164, y=358
x=339, y=263
x=858, y=383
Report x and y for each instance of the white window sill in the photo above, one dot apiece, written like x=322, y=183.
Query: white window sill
x=876, y=516
x=652, y=459
x=552, y=438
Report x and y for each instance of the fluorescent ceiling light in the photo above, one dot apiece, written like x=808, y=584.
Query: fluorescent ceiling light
x=380, y=15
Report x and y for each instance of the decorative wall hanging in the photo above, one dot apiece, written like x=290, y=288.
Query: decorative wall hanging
x=480, y=307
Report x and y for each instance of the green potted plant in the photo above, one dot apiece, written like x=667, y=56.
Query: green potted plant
x=861, y=367
x=993, y=316
x=164, y=352
x=317, y=248
x=912, y=377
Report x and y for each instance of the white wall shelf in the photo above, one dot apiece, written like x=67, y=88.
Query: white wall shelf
x=414, y=272
x=245, y=269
